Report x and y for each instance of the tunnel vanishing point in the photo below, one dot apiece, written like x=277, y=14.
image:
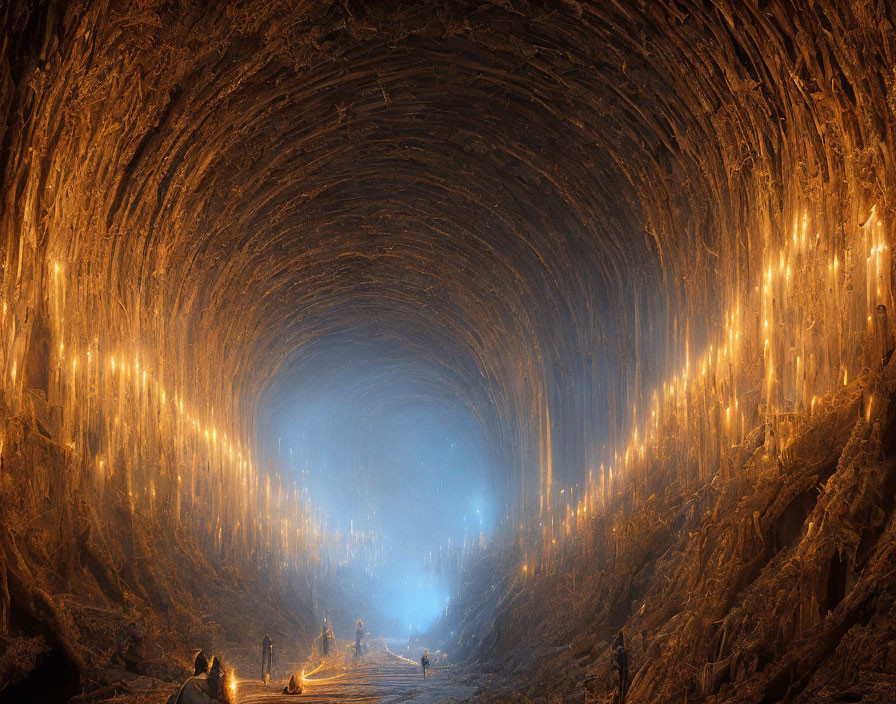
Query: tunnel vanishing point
x=506, y=326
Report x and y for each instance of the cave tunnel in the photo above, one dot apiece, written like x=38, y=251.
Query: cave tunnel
x=447, y=350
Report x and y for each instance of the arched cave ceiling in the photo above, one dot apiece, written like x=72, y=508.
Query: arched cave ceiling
x=508, y=204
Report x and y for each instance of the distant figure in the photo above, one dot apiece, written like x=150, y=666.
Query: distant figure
x=325, y=639
x=200, y=663
x=881, y=336
x=425, y=661
x=267, y=658
x=620, y=663
x=359, y=637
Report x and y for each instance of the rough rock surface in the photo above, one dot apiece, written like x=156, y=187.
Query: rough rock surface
x=542, y=205
x=102, y=599
x=777, y=584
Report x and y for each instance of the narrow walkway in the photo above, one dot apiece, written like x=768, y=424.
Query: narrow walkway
x=381, y=678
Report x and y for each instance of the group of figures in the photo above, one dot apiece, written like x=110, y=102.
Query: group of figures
x=211, y=682
x=295, y=683
x=359, y=648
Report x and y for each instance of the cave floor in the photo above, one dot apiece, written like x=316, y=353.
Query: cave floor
x=382, y=677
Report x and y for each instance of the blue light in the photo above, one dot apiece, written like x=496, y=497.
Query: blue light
x=393, y=458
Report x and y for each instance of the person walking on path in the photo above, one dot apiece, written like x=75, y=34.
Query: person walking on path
x=267, y=657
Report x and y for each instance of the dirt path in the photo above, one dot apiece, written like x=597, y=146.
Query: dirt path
x=382, y=678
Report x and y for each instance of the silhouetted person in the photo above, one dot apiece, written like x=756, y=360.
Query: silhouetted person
x=214, y=687
x=359, y=636
x=217, y=679
x=620, y=664
x=424, y=661
x=267, y=656
x=200, y=663
x=325, y=639
x=881, y=336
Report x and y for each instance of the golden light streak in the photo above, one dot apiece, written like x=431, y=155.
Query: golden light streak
x=782, y=296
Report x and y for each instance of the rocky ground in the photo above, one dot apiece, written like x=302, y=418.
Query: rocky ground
x=382, y=678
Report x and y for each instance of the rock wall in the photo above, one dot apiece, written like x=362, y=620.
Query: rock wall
x=99, y=597
x=636, y=241
x=778, y=584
